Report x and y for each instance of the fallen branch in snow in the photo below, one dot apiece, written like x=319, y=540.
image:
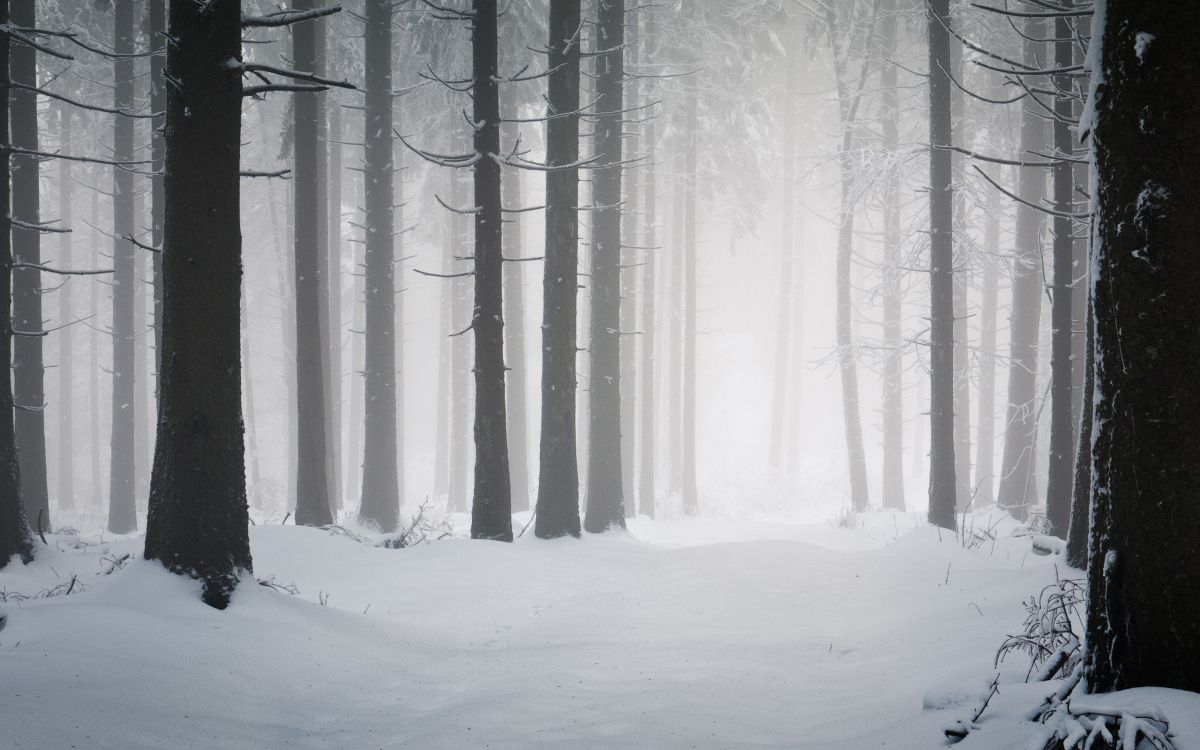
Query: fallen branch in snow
x=66, y=588
x=420, y=530
x=958, y=731
x=271, y=582
x=1084, y=725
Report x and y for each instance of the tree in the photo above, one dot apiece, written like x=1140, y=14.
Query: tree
x=491, y=507
x=313, y=464
x=66, y=354
x=605, y=494
x=1018, y=467
x=1061, y=459
x=15, y=538
x=27, y=365
x=380, y=488
x=942, y=486
x=1144, y=569
x=893, y=367
x=558, y=472
x=122, y=507
x=198, y=523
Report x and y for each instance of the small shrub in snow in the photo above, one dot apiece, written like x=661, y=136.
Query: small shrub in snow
x=420, y=529
x=1051, y=635
x=271, y=582
x=66, y=588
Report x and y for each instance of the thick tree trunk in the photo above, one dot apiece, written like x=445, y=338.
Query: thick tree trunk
x=558, y=472
x=893, y=341
x=15, y=539
x=630, y=225
x=197, y=523
x=333, y=285
x=1018, y=468
x=122, y=511
x=1060, y=462
x=27, y=366
x=66, y=336
x=605, y=498
x=380, y=488
x=357, y=415
x=158, y=153
x=673, y=382
x=942, y=485
x=94, y=378
x=1144, y=569
x=313, y=501
x=491, y=506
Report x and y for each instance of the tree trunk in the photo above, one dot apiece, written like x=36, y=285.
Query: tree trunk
x=380, y=488
x=942, y=485
x=94, y=378
x=122, y=511
x=460, y=408
x=630, y=225
x=514, y=331
x=689, y=494
x=605, y=499
x=985, y=443
x=66, y=336
x=197, y=523
x=158, y=104
x=647, y=504
x=491, y=506
x=15, y=538
x=1060, y=463
x=787, y=249
x=893, y=341
x=1081, y=492
x=558, y=471
x=27, y=366
x=313, y=502
x=333, y=285
x=1144, y=570
x=1018, y=469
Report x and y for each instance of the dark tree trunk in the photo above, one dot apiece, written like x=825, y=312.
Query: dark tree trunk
x=1018, y=468
x=630, y=225
x=893, y=365
x=122, y=509
x=380, y=488
x=491, y=506
x=313, y=506
x=27, y=367
x=963, y=271
x=942, y=486
x=605, y=499
x=15, y=538
x=1081, y=493
x=357, y=415
x=514, y=330
x=333, y=284
x=158, y=152
x=94, y=378
x=558, y=471
x=198, y=523
x=1144, y=569
x=1060, y=462
x=66, y=336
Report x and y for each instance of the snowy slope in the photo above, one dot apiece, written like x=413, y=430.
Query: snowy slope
x=689, y=635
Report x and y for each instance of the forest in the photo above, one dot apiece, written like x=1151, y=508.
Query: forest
x=591, y=373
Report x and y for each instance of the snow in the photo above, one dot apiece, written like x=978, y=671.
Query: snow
x=701, y=633
x=1141, y=42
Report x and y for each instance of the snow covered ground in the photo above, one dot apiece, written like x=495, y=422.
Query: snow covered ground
x=691, y=634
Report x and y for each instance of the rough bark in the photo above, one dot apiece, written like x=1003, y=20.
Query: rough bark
x=491, y=505
x=158, y=152
x=15, y=538
x=1081, y=492
x=1144, y=570
x=1018, y=468
x=65, y=337
x=122, y=510
x=313, y=506
x=198, y=523
x=27, y=364
x=1061, y=457
x=605, y=496
x=460, y=362
x=333, y=285
x=514, y=330
x=942, y=486
x=380, y=483
x=558, y=472
x=985, y=442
